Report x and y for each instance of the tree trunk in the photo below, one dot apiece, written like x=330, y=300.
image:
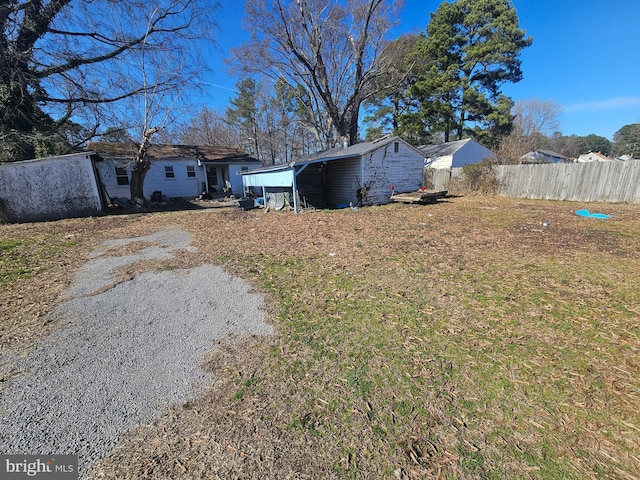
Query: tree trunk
x=141, y=165
x=353, y=127
x=138, y=174
x=460, y=127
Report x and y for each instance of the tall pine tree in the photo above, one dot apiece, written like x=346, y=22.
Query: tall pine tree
x=472, y=48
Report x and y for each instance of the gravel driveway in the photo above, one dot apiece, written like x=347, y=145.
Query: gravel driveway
x=132, y=349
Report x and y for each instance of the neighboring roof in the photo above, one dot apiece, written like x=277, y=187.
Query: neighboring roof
x=551, y=153
x=598, y=155
x=205, y=153
x=444, y=149
x=351, y=151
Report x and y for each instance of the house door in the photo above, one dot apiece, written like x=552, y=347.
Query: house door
x=215, y=179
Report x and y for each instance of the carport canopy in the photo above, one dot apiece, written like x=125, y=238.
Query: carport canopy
x=274, y=178
x=285, y=175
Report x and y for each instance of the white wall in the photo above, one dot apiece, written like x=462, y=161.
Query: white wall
x=384, y=167
x=49, y=188
x=471, y=152
x=236, y=179
x=444, y=161
x=179, y=186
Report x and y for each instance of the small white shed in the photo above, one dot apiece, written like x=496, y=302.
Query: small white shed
x=360, y=174
x=455, y=154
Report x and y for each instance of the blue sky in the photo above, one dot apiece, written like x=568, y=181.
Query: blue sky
x=585, y=56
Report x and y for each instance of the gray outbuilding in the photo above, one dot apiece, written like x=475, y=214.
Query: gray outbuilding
x=356, y=175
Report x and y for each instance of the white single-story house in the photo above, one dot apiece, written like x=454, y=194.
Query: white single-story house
x=361, y=174
x=594, y=157
x=455, y=154
x=544, y=156
x=177, y=171
x=50, y=188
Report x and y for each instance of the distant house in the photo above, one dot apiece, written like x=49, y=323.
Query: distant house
x=50, y=188
x=544, y=156
x=360, y=174
x=594, y=157
x=183, y=171
x=455, y=154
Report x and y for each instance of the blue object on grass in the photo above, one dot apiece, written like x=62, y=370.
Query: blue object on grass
x=586, y=213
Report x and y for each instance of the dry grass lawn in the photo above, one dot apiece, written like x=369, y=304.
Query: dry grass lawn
x=458, y=340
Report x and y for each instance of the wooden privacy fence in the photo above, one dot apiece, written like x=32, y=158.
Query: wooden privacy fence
x=585, y=182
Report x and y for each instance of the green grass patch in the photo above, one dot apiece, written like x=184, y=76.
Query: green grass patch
x=461, y=339
x=24, y=258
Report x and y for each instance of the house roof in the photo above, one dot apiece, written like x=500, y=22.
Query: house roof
x=444, y=149
x=351, y=151
x=551, y=153
x=595, y=154
x=204, y=153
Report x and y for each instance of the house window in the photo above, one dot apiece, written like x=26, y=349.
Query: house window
x=396, y=147
x=121, y=176
x=168, y=172
x=191, y=171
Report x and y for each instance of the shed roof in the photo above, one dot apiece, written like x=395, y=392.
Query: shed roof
x=338, y=153
x=351, y=151
x=444, y=149
x=204, y=153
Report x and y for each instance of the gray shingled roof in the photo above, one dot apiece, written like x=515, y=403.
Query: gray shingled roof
x=351, y=151
x=551, y=153
x=449, y=148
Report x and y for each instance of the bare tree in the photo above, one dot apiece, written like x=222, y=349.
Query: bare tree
x=209, y=127
x=534, y=116
x=534, y=122
x=325, y=51
x=62, y=61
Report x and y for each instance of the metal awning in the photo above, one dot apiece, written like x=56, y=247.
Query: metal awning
x=285, y=175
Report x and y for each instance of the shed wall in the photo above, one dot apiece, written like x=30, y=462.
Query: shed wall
x=444, y=161
x=49, y=188
x=384, y=167
x=471, y=152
